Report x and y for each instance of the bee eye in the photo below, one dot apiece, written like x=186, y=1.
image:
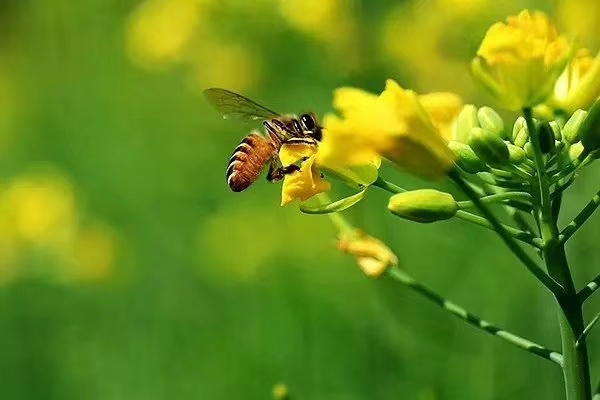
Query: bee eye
x=308, y=121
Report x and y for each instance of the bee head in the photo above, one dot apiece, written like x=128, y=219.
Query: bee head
x=310, y=125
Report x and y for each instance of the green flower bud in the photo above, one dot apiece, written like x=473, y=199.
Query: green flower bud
x=489, y=146
x=522, y=137
x=520, y=123
x=516, y=155
x=466, y=158
x=546, y=137
x=575, y=151
x=556, y=129
x=590, y=128
x=529, y=150
x=490, y=120
x=466, y=120
x=488, y=178
x=424, y=205
x=572, y=129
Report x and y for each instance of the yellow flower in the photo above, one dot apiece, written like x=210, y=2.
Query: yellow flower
x=579, y=84
x=372, y=255
x=306, y=182
x=394, y=125
x=519, y=61
x=443, y=109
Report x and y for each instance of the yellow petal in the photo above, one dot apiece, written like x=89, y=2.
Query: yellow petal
x=303, y=184
x=393, y=125
x=443, y=109
x=292, y=152
x=523, y=58
x=372, y=255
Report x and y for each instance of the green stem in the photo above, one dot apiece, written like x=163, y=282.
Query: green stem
x=580, y=219
x=389, y=186
x=569, y=169
x=506, y=237
x=466, y=216
x=525, y=344
x=498, y=197
x=576, y=364
x=524, y=237
x=588, y=329
x=589, y=289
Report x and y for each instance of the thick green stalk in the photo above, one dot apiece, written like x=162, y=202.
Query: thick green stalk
x=576, y=370
x=525, y=344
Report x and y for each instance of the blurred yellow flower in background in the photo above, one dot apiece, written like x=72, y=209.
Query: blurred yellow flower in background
x=519, y=61
x=39, y=214
x=159, y=31
x=394, y=125
x=305, y=183
x=372, y=255
x=164, y=33
x=39, y=210
x=331, y=22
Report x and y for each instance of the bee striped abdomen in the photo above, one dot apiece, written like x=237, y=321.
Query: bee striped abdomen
x=248, y=160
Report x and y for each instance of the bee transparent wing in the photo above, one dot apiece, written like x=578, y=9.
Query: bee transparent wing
x=235, y=106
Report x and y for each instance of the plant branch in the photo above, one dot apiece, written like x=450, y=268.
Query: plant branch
x=589, y=289
x=507, y=238
x=581, y=218
x=498, y=197
x=525, y=237
x=459, y=312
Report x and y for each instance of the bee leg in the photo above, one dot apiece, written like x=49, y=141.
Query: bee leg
x=277, y=173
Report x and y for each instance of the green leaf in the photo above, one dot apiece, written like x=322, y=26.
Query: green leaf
x=336, y=206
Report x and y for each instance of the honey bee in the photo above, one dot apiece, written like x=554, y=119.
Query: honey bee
x=257, y=150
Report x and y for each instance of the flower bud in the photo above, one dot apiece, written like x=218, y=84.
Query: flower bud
x=520, y=123
x=590, y=128
x=488, y=178
x=516, y=155
x=546, y=137
x=424, y=205
x=571, y=130
x=575, y=151
x=466, y=158
x=556, y=129
x=489, y=146
x=529, y=150
x=522, y=137
x=466, y=120
x=490, y=120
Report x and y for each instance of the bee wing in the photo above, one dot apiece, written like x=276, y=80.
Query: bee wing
x=235, y=106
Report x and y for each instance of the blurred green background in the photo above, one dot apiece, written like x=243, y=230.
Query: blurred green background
x=128, y=269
